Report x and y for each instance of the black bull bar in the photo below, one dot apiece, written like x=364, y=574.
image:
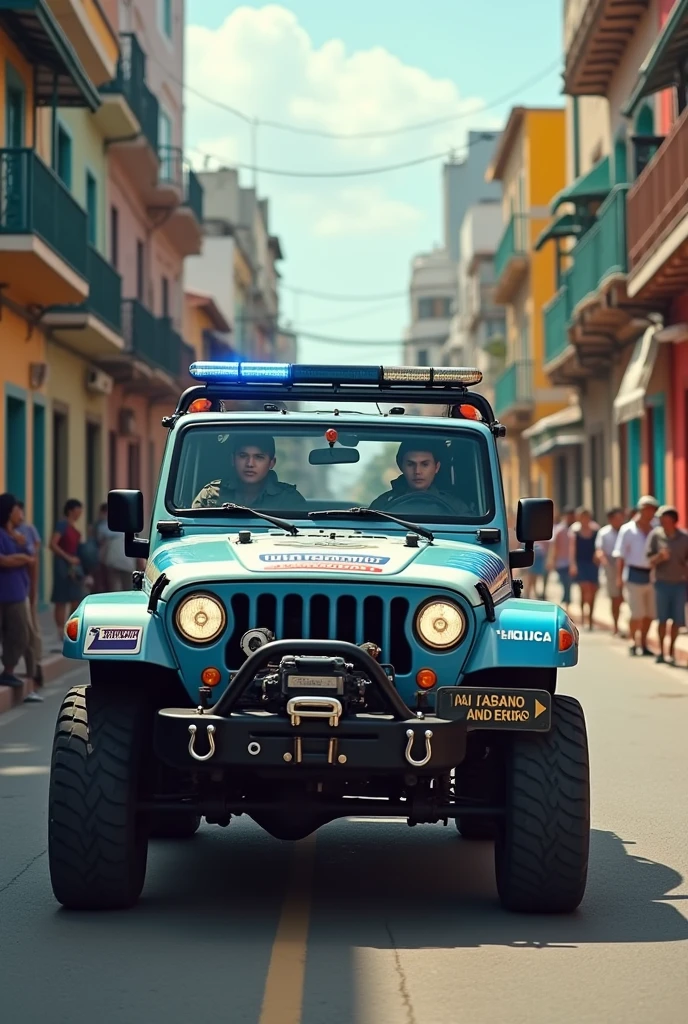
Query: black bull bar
x=315, y=733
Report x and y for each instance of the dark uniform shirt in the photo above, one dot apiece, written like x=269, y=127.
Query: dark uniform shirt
x=400, y=489
x=274, y=495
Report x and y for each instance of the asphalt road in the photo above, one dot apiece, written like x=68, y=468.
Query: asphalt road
x=370, y=923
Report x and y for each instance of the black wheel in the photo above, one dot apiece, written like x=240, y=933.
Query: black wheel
x=541, y=852
x=182, y=825
x=97, y=844
x=478, y=829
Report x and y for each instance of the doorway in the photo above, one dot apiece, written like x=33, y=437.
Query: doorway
x=15, y=446
x=60, y=450
x=93, y=462
x=39, y=484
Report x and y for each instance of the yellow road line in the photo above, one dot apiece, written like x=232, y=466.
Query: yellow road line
x=283, y=997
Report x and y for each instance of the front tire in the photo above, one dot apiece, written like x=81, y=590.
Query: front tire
x=541, y=853
x=97, y=842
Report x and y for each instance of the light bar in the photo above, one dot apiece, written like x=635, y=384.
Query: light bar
x=305, y=373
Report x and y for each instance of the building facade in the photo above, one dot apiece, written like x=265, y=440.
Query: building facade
x=620, y=294
x=530, y=164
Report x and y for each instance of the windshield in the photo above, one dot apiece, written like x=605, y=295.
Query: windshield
x=419, y=474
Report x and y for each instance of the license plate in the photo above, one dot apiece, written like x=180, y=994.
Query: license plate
x=315, y=683
x=496, y=707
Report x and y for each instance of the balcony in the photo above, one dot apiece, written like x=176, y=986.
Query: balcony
x=511, y=258
x=185, y=225
x=597, y=33
x=514, y=393
x=658, y=221
x=93, y=328
x=43, y=233
x=90, y=33
x=562, y=363
x=129, y=112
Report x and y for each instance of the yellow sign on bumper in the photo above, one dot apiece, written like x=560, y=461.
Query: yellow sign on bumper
x=496, y=707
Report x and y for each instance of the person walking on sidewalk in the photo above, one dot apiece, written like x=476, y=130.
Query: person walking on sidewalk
x=605, y=542
x=558, y=556
x=667, y=553
x=68, y=572
x=633, y=569
x=14, y=590
x=34, y=651
x=582, y=565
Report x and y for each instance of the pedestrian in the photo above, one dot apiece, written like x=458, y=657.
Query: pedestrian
x=559, y=554
x=118, y=566
x=605, y=542
x=667, y=553
x=14, y=590
x=633, y=568
x=583, y=567
x=68, y=572
x=538, y=571
x=34, y=651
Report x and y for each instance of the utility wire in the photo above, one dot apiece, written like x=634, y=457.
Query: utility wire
x=329, y=297
x=368, y=311
x=378, y=134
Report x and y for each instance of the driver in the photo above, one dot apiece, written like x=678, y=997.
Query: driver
x=253, y=481
x=419, y=462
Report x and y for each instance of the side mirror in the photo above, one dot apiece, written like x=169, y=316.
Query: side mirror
x=125, y=515
x=534, y=519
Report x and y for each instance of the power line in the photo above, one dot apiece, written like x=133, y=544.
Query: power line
x=381, y=133
x=368, y=311
x=329, y=340
x=329, y=297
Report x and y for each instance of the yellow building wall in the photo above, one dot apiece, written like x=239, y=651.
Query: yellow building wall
x=9, y=52
x=195, y=321
x=18, y=350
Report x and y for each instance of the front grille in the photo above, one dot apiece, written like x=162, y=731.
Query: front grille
x=289, y=615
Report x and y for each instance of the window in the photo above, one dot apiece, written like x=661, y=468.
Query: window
x=92, y=208
x=165, y=146
x=165, y=17
x=424, y=309
x=440, y=308
x=422, y=357
x=133, y=466
x=63, y=156
x=114, y=236
x=165, y=296
x=140, y=272
x=15, y=106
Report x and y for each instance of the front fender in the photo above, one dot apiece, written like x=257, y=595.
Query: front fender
x=524, y=633
x=118, y=627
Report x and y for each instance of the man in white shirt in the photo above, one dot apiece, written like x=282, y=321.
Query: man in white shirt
x=605, y=542
x=633, y=569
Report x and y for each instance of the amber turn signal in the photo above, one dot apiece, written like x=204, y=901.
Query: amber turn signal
x=210, y=676
x=201, y=405
x=565, y=639
x=426, y=678
x=72, y=629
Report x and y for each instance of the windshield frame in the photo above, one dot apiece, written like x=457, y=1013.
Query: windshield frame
x=412, y=427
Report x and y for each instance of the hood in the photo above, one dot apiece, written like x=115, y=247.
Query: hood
x=337, y=556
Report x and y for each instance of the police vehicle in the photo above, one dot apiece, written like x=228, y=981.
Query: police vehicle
x=329, y=624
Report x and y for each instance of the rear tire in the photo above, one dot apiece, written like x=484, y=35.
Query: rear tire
x=97, y=842
x=183, y=825
x=541, y=853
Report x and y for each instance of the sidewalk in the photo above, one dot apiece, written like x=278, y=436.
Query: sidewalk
x=602, y=618
x=54, y=665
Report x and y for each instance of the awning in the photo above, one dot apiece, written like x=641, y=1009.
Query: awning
x=559, y=430
x=629, y=403
x=591, y=186
x=32, y=26
x=563, y=227
x=659, y=70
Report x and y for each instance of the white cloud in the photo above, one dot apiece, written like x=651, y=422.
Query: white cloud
x=361, y=210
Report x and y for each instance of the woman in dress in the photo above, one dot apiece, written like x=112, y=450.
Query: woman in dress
x=583, y=567
x=68, y=573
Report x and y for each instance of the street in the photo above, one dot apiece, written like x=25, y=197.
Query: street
x=400, y=925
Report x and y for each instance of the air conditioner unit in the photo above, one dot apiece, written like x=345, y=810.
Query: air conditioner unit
x=127, y=422
x=98, y=382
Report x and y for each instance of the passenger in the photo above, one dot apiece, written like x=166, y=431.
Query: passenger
x=419, y=462
x=253, y=481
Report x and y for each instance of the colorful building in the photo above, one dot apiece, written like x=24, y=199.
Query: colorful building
x=530, y=163
x=617, y=236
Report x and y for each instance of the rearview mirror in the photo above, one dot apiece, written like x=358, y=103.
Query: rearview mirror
x=125, y=515
x=333, y=456
x=534, y=519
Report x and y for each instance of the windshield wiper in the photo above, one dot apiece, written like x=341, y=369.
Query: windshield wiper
x=282, y=524
x=371, y=513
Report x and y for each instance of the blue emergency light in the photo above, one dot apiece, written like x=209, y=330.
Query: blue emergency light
x=305, y=373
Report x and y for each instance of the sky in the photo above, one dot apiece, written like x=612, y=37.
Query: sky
x=351, y=67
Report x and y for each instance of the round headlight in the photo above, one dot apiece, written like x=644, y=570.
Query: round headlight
x=200, y=618
x=440, y=625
